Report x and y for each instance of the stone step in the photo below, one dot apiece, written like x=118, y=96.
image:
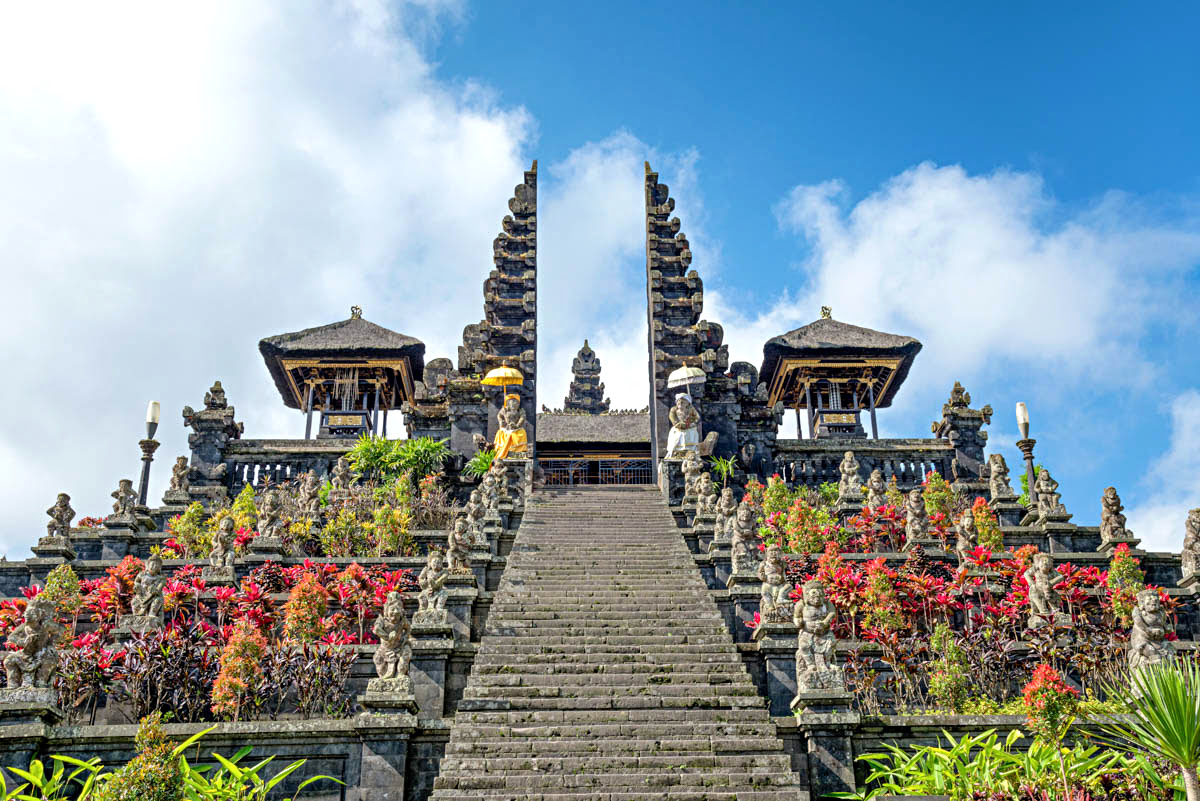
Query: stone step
x=586, y=717
x=625, y=762
x=497, y=666
x=644, y=730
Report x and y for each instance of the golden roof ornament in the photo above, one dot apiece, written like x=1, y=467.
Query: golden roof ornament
x=826, y=312
x=356, y=312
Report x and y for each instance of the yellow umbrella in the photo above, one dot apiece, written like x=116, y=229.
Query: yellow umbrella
x=503, y=377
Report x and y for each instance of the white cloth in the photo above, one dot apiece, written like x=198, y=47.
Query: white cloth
x=682, y=441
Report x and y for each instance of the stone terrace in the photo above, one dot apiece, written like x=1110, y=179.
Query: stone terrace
x=607, y=672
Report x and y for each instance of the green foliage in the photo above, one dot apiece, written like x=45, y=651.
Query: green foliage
x=895, y=498
x=776, y=497
x=949, y=675
x=385, y=460
x=40, y=783
x=1125, y=581
x=723, y=468
x=344, y=535
x=939, y=498
x=189, y=530
x=153, y=775
x=1023, y=498
x=241, y=673
x=245, y=513
x=480, y=463
x=987, y=525
x=62, y=587
x=1163, y=703
x=828, y=493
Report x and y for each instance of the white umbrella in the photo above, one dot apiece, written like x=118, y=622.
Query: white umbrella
x=686, y=377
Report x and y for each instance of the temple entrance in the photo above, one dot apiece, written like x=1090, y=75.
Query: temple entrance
x=591, y=470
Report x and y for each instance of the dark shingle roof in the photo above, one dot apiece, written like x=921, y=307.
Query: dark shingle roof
x=633, y=427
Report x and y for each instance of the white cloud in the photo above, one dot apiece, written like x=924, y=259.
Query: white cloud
x=1173, y=483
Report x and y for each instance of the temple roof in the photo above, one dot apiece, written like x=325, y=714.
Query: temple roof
x=616, y=427
x=831, y=339
x=344, y=342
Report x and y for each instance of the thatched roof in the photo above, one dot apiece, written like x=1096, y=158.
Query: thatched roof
x=615, y=427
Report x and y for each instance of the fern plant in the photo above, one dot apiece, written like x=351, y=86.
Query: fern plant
x=480, y=463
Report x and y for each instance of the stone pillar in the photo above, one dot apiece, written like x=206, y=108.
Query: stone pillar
x=212, y=429
x=432, y=645
x=462, y=590
x=745, y=591
x=777, y=647
x=830, y=748
x=385, y=745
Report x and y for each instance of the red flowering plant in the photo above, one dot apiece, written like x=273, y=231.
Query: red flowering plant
x=987, y=525
x=236, y=689
x=1050, y=706
x=90, y=522
x=107, y=598
x=86, y=673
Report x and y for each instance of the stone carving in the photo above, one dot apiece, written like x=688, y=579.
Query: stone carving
x=1044, y=604
x=124, y=500
x=476, y=511
x=726, y=513
x=1190, y=555
x=215, y=397
x=511, y=438
x=179, y=475
x=693, y=475
x=876, y=489
x=342, y=476
x=222, y=555
x=849, y=489
x=745, y=539
x=998, y=484
x=1112, y=519
x=310, y=497
x=1049, y=505
x=431, y=602
x=270, y=515
x=685, y=428
x=916, y=526
x=148, y=589
x=459, y=547
x=394, y=652
x=490, y=492
x=708, y=500
x=966, y=537
x=61, y=515
x=586, y=393
x=1148, y=643
x=35, y=658
x=816, y=665
x=773, y=605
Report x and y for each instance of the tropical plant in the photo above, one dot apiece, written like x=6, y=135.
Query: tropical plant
x=1050, y=706
x=244, y=510
x=1164, y=717
x=189, y=532
x=1023, y=498
x=480, y=463
x=155, y=774
x=241, y=672
x=384, y=460
x=723, y=468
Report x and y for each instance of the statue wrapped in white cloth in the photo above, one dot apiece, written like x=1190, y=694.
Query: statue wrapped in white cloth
x=685, y=428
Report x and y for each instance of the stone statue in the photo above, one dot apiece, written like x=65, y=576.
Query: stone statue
x=148, y=589
x=394, y=652
x=431, y=602
x=726, y=512
x=685, y=428
x=1043, y=598
x=61, y=515
x=1190, y=555
x=966, y=537
x=459, y=547
x=33, y=662
x=222, y=554
x=1049, y=504
x=1148, y=643
x=998, y=484
x=849, y=490
x=708, y=500
x=124, y=499
x=511, y=437
x=179, y=475
x=310, y=497
x=816, y=665
x=1112, y=519
x=745, y=539
x=876, y=489
x=693, y=474
x=343, y=476
x=773, y=605
x=916, y=526
x=215, y=397
x=270, y=515
x=490, y=492
x=475, y=514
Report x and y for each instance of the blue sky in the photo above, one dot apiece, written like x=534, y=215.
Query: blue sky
x=1016, y=186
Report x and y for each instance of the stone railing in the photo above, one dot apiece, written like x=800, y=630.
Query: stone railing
x=810, y=462
x=257, y=461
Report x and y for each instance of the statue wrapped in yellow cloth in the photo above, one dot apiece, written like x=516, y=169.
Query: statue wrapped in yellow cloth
x=511, y=439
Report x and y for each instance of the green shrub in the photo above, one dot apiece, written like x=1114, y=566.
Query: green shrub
x=155, y=774
x=189, y=530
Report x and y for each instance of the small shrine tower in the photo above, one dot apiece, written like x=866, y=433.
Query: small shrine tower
x=586, y=394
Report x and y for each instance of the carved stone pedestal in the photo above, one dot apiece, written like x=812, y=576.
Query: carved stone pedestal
x=23, y=705
x=830, y=749
x=721, y=554
x=173, y=499
x=268, y=548
x=846, y=509
x=389, y=695
x=818, y=702
x=744, y=594
x=777, y=647
x=703, y=530
x=116, y=536
x=461, y=591
x=432, y=646
x=1008, y=511
x=54, y=548
x=219, y=575
x=128, y=625
x=1110, y=545
x=1191, y=583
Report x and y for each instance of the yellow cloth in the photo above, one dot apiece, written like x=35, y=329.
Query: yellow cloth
x=510, y=442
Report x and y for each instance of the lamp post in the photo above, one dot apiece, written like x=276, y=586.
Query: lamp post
x=1026, y=445
x=149, y=445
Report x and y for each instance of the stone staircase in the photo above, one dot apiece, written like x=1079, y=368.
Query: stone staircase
x=605, y=671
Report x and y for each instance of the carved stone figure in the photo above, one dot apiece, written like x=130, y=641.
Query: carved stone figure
x=916, y=526
x=124, y=499
x=1190, y=555
x=476, y=511
x=1112, y=519
x=431, y=602
x=708, y=499
x=1148, y=643
x=511, y=438
x=310, y=497
x=215, y=397
x=35, y=658
x=459, y=547
x=849, y=489
x=745, y=539
x=490, y=492
x=966, y=537
x=148, y=589
x=342, y=476
x=394, y=652
x=179, y=475
x=816, y=666
x=693, y=474
x=876, y=489
x=726, y=513
x=222, y=554
x=1044, y=604
x=61, y=515
x=685, y=428
x=270, y=519
x=998, y=484
x=773, y=605
x=1049, y=503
